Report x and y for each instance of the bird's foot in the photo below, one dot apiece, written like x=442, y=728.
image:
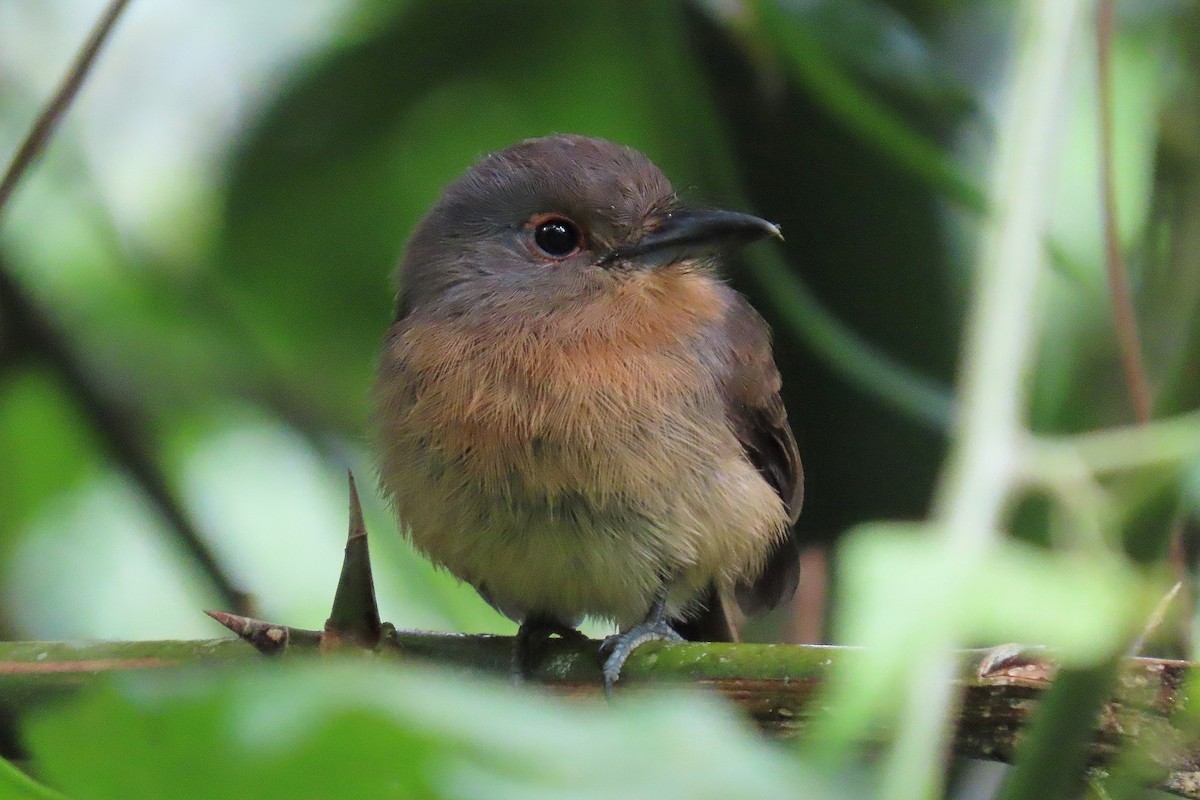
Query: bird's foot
x=531, y=644
x=616, y=649
x=1010, y=659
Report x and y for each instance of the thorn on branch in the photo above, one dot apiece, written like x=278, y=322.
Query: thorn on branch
x=354, y=619
x=267, y=638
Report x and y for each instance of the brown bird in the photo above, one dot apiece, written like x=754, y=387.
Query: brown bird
x=575, y=415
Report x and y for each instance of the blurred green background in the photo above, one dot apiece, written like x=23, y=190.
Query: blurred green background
x=214, y=229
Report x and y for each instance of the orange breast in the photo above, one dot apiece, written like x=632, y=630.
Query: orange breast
x=607, y=394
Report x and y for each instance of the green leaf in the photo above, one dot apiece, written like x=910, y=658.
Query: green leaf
x=904, y=591
x=1077, y=345
x=372, y=730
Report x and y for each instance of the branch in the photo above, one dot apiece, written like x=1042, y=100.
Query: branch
x=43, y=127
x=779, y=686
x=776, y=685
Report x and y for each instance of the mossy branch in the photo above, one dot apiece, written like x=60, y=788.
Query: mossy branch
x=778, y=686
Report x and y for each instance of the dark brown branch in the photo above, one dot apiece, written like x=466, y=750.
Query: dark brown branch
x=35, y=332
x=43, y=127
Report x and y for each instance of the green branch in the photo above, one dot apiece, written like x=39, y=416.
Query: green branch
x=776, y=685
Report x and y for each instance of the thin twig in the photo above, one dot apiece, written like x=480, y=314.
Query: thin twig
x=43, y=127
x=1124, y=315
x=1129, y=341
x=1155, y=620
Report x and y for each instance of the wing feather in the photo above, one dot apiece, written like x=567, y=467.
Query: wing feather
x=757, y=415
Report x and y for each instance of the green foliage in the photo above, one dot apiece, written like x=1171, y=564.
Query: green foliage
x=382, y=731
x=904, y=590
x=16, y=785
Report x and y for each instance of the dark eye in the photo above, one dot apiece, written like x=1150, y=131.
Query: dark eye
x=557, y=237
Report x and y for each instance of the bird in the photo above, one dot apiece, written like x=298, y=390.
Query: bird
x=576, y=415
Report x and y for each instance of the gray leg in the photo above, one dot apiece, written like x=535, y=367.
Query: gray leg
x=617, y=648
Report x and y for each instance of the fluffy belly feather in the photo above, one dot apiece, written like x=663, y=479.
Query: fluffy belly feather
x=574, y=554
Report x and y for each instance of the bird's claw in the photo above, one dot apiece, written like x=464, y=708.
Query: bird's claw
x=616, y=649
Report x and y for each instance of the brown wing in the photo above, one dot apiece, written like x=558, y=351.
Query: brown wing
x=756, y=412
x=759, y=420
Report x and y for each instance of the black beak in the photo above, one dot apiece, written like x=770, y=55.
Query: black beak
x=691, y=234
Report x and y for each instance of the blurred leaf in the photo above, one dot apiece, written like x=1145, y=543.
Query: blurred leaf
x=363, y=730
x=904, y=591
x=45, y=449
x=98, y=563
x=1170, y=301
x=809, y=64
x=1190, y=519
x=1150, y=502
x=1140, y=71
x=875, y=40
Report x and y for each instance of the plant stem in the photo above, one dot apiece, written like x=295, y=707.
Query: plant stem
x=1124, y=315
x=999, y=340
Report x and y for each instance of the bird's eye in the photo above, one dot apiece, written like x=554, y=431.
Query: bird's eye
x=557, y=237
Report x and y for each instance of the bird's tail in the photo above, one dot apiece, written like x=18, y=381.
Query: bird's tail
x=715, y=622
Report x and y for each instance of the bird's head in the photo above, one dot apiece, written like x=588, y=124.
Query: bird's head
x=555, y=218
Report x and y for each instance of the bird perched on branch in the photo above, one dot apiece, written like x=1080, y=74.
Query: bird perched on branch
x=575, y=415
